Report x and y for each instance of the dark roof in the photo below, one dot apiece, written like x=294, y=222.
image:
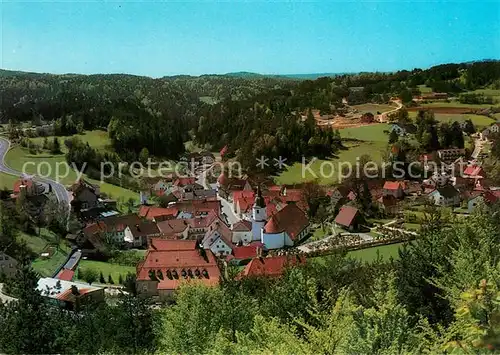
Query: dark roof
x=291, y=219
x=346, y=215
x=259, y=200
x=145, y=229
x=448, y=191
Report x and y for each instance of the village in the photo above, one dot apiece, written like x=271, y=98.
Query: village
x=188, y=230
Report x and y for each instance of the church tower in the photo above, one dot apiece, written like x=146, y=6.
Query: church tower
x=259, y=215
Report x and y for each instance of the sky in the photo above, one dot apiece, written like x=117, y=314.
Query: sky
x=168, y=38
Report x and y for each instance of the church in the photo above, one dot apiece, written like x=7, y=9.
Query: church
x=284, y=228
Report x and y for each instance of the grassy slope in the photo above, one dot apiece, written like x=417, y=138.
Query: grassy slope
x=18, y=156
x=373, y=108
x=38, y=244
x=478, y=120
x=107, y=268
x=96, y=139
x=7, y=181
x=374, y=143
x=370, y=254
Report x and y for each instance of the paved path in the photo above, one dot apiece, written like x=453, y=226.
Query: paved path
x=59, y=189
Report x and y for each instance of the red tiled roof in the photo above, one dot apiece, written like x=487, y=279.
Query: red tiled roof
x=151, y=212
x=173, y=258
x=247, y=251
x=173, y=227
x=65, y=274
x=242, y=226
x=165, y=244
x=473, y=170
x=393, y=185
x=18, y=183
x=271, y=266
x=491, y=197
x=346, y=215
x=243, y=194
x=291, y=219
x=183, y=181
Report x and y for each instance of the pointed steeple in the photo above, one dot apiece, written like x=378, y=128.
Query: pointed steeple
x=259, y=200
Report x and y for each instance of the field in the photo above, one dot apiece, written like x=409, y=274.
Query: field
x=48, y=165
x=478, y=120
x=373, y=142
x=7, y=181
x=368, y=255
x=106, y=268
x=97, y=139
x=373, y=108
x=41, y=243
x=47, y=267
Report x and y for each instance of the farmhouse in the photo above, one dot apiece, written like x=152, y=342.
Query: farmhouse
x=349, y=218
x=403, y=128
x=85, y=195
x=394, y=188
x=474, y=172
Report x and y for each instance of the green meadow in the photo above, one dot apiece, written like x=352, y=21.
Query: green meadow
x=372, y=141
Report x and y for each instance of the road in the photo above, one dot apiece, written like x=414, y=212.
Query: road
x=59, y=189
x=383, y=116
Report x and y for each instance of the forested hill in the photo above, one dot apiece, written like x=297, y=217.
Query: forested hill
x=215, y=110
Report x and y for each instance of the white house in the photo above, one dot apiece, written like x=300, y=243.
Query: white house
x=242, y=232
x=217, y=242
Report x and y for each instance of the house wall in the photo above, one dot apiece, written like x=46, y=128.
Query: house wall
x=8, y=265
x=396, y=193
x=472, y=204
x=445, y=202
x=276, y=241
x=220, y=248
x=257, y=230
x=245, y=237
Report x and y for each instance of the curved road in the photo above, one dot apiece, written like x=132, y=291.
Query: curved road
x=59, y=189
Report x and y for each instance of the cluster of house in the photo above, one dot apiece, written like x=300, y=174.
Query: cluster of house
x=448, y=186
x=191, y=237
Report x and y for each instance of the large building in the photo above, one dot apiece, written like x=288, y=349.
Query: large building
x=169, y=263
x=284, y=228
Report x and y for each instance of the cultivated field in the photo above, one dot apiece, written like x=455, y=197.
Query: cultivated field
x=373, y=108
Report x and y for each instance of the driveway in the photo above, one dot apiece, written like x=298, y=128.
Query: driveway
x=59, y=189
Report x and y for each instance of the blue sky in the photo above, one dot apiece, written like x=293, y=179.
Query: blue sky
x=156, y=39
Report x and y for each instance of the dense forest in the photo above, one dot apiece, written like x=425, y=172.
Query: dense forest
x=441, y=295
x=248, y=113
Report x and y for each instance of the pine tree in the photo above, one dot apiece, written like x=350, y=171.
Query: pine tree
x=101, y=278
x=110, y=280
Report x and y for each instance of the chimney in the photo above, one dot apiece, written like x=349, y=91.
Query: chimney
x=137, y=227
